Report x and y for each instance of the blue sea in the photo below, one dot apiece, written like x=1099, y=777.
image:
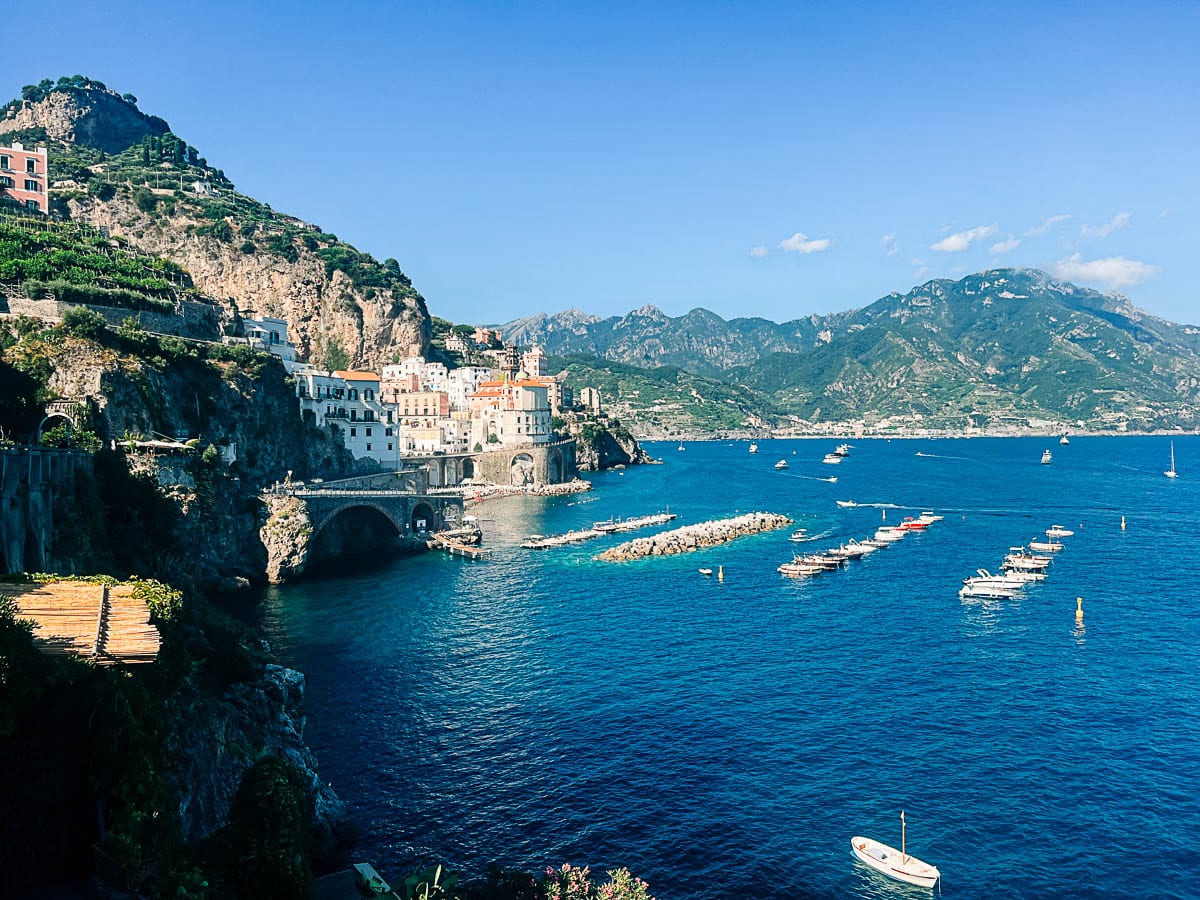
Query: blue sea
x=727, y=739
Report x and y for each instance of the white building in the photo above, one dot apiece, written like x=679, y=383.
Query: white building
x=350, y=401
x=510, y=414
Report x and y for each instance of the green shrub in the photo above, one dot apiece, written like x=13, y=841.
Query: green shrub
x=248, y=248
x=84, y=323
x=145, y=200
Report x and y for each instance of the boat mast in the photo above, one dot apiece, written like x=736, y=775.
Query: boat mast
x=903, y=857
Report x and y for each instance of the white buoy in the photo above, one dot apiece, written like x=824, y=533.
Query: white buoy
x=1078, y=610
x=1122, y=523
x=720, y=573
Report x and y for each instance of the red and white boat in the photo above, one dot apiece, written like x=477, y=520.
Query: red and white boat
x=895, y=863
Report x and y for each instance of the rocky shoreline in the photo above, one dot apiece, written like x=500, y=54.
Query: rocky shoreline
x=695, y=537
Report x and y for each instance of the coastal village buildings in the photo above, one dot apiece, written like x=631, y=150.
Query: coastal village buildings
x=23, y=176
x=510, y=414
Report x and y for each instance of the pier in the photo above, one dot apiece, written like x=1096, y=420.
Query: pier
x=598, y=529
x=457, y=548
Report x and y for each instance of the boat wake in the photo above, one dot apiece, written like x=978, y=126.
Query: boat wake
x=939, y=456
x=813, y=537
x=831, y=480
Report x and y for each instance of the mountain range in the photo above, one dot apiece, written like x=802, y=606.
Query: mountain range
x=997, y=347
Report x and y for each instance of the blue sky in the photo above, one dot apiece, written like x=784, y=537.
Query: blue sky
x=770, y=159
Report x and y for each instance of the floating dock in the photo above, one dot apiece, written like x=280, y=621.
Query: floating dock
x=456, y=548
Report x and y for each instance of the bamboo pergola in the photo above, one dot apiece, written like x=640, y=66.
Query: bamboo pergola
x=107, y=624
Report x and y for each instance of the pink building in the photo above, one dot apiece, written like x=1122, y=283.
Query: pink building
x=23, y=176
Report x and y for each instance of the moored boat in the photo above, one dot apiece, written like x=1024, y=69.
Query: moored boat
x=1046, y=457
x=800, y=534
x=889, y=534
x=1058, y=531
x=1046, y=546
x=753, y=447
x=782, y=464
x=895, y=863
x=831, y=458
x=706, y=571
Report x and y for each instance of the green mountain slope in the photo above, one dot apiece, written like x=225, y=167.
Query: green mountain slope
x=1003, y=346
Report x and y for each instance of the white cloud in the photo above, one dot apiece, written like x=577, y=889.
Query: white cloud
x=758, y=252
x=920, y=273
x=890, y=245
x=961, y=240
x=799, y=243
x=1046, y=225
x=1112, y=272
x=1004, y=246
x=1166, y=212
x=1120, y=220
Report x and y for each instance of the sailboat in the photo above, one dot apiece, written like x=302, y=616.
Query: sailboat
x=1171, y=473
x=895, y=863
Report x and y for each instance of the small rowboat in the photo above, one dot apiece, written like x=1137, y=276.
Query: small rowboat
x=894, y=864
x=706, y=571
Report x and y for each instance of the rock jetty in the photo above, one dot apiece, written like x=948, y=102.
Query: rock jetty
x=695, y=537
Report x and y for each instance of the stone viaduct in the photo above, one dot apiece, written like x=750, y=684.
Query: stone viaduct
x=31, y=478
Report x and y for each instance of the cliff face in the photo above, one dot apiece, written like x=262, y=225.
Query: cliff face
x=217, y=738
x=90, y=116
x=250, y=417
x=323, y=310
x=113, y=166
x=607, y=449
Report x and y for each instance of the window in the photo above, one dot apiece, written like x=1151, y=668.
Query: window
x=31, y=166
x=354, y=415
x=5, y=181
x=353, y=432
x=352, y=394
x=368, y=432
x=389, y=445
x=387, y=432
x=5, y=162
x=32, y=186
x=368, y=394
x=32, y=204
x=368, y=448
x=368, y=415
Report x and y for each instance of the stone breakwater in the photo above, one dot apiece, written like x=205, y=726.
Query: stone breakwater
x=695, y=537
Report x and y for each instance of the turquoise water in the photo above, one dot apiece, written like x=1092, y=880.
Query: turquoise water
x=728, y=739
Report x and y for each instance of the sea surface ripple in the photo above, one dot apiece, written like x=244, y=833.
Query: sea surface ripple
x=727, y=739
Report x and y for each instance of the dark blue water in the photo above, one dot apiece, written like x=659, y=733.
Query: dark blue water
x=728, y=739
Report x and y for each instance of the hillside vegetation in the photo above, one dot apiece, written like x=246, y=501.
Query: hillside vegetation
x=1001, y=347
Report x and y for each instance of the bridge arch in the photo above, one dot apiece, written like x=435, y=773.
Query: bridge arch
x=356, y=505
x=554, y=466
x=521, y=470
x=423, y=518
x=50, y=417
x=468, y=468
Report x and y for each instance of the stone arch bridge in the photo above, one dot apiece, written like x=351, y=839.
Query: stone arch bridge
x=302, y=514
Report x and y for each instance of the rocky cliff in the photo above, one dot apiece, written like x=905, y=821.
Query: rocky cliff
x=600, y=449
x=91, y=116
x=240, y=405
x=111, y=165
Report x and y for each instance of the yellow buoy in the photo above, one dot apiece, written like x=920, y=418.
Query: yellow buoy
x=720, y=573
x=1122, y=523
x=1079, y=609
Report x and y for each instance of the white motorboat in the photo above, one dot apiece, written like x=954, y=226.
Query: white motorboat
x=782, y=464
x=1058, y=531
x=800, y=534
x=895, y=863
x=831, y=458
x=1018, y=574
x=1063, y=440
x=929, y=517
x=842, y=450
x=706, y=571
x=1046, y=546
x=1021, y=563
x=753, y=447
x=864, y=547
x=1046, y=457
x=1171, y=473
x=797, y=568
x=985, y=591
x=889, y=534
x=876, y=543
x=846, y=504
